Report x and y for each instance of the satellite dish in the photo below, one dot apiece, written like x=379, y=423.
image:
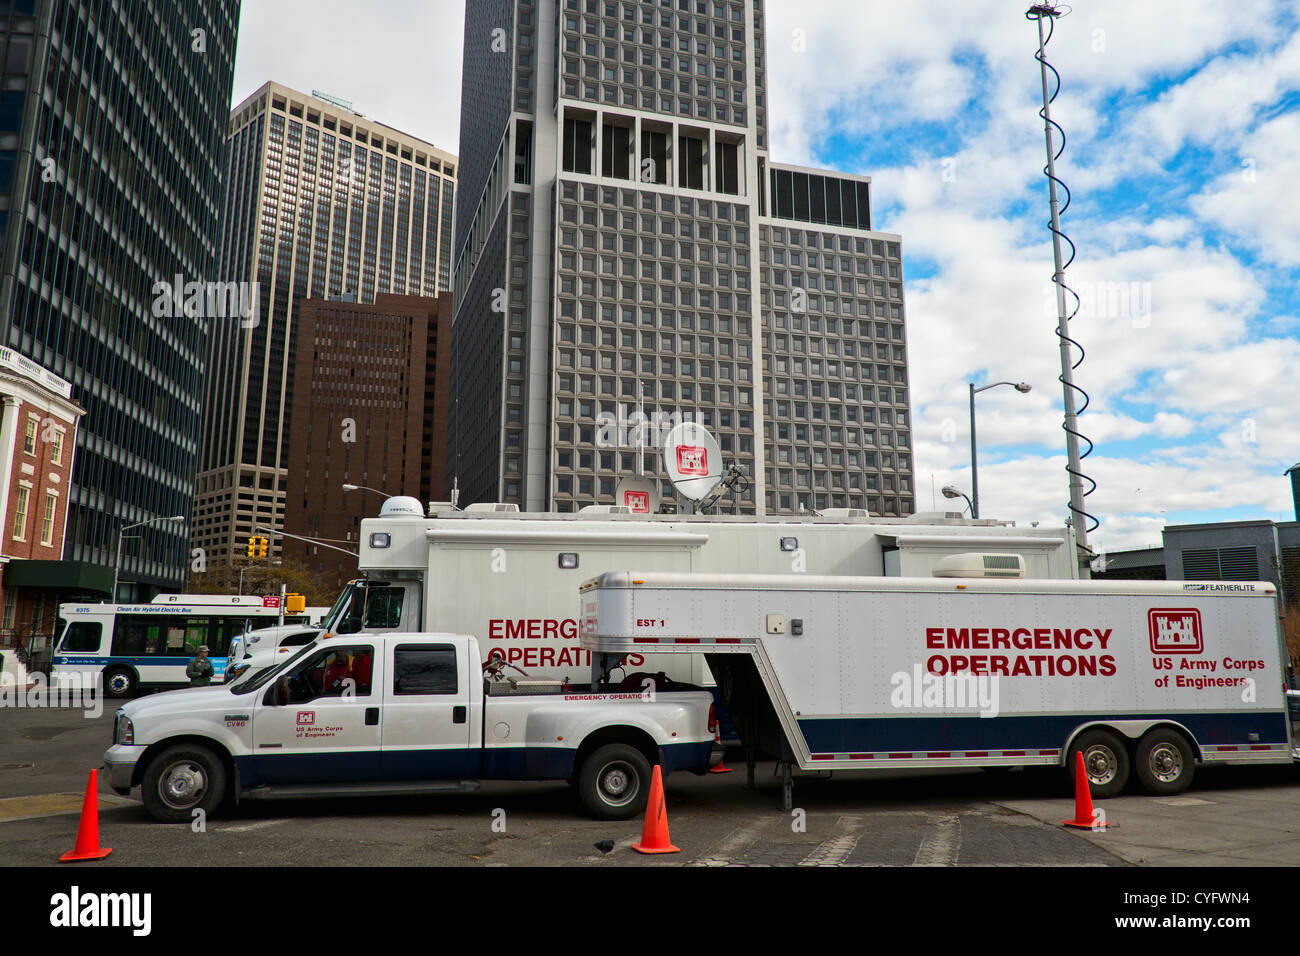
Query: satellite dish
x=400, y=506
x=693, y=460
x=639, y=494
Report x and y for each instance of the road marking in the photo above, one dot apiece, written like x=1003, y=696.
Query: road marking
x=733, y=844
x=940, y=846
x=1181, y=801
x=836, y=850
x=13, y=809
x=246, y=827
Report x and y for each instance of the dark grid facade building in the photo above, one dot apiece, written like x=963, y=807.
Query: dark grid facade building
x=627, y=247
x=321, y=202
x=112, y=144
x=370, y=397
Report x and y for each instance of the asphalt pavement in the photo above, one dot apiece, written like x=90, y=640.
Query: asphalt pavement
x=1231, y=816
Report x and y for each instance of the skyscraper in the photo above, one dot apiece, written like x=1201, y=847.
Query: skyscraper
x=370, y=402
x=112, y=122
x=321, y=202
x=627, y=250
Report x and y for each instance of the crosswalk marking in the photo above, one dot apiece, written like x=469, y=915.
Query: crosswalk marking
x=940, y=845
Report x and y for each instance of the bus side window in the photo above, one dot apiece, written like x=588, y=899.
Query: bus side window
x=198, y=634
x=225, y=630
x=82, y=637
x=128, y=636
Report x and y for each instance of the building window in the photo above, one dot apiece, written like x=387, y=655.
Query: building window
x=690, y=162
x=729, y=168
x=20, y=513
x=56, y=451
x=577, y=146
x=616, y=155
x=47, y=519
x=29, y=441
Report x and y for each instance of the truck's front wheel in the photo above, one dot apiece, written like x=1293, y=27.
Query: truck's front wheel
x=1165, y=762
x=614, y=782
x=181, y=780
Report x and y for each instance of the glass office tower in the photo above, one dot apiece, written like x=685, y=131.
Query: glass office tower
x=112, y=142
x=626, y=250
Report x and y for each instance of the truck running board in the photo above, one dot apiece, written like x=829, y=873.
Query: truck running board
x=359, y=789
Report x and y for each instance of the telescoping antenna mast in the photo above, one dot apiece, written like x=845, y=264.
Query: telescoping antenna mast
x=1081, y=520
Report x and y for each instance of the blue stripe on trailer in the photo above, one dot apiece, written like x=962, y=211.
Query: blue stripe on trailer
x=832, y=735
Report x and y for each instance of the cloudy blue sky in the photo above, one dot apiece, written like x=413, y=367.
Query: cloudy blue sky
x=1183, y=157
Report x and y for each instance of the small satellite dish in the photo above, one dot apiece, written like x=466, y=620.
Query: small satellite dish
x=693, y=460
x=639, y=494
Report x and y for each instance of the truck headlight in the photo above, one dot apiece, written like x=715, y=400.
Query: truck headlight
x=124, y=733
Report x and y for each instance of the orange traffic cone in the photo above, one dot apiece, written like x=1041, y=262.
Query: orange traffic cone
x=1083, y=818
x=88, y=847
x=654, y=833
x=722, y=764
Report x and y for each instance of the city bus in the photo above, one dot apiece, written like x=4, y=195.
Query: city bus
x=136, y=646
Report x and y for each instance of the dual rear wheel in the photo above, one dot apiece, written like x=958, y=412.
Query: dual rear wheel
x=1163, y=761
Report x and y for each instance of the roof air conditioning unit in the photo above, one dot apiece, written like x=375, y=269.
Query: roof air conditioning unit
x=491, y=508
x=976, y=565
x=845, y=513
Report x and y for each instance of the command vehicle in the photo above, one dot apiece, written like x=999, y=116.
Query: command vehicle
x=832, y=673
x=509, y=577
x=401, y=713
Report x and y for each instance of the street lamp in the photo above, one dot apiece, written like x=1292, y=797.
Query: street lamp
x=365, y=488
x=117, y=563
x=974, y=476
x=950, y=492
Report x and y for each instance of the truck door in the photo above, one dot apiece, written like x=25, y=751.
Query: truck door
x=319, y=723
x=427, y=730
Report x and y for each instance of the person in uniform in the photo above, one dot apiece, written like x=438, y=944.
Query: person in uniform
x=199, y=669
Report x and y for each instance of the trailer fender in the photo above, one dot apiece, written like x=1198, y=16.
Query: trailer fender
x=1133, y=730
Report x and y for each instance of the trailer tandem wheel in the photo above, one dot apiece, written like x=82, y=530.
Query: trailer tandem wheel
x=1105, y=761
x=1164, y=762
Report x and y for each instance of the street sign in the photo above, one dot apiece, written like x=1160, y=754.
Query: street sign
x=270, y=600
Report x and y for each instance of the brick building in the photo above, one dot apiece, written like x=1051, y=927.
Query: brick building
x=369, y=407
x=38, y=432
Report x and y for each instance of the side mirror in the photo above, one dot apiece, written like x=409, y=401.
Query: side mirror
x=277, y=695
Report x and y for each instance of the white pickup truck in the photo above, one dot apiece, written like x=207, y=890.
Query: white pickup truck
x=371, y=714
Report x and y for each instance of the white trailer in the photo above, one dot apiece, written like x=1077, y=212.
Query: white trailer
x=509, y=577
x=833, y=673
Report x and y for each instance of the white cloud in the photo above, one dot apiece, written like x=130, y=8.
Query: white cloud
x=1258, y=202
x=1159, y=296
x=399, y=63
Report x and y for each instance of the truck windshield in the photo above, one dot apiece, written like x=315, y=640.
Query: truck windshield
x=262, y=678
x=345, y=616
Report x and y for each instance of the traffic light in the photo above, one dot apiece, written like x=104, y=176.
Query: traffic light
x=257, y=546
x=252, y=547
x=295, y=603
x=262, y=546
